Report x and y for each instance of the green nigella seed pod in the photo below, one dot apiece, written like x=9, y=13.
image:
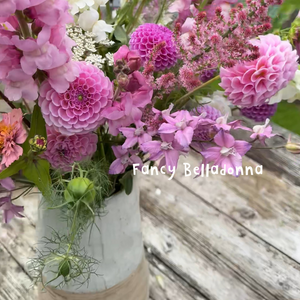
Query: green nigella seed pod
x=64, y=268
x=80, y=189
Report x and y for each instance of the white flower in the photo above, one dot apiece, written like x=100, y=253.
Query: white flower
x=289, y=93
x=100, y=28
x=89, y=21
x=77, y=5
x=218, y=101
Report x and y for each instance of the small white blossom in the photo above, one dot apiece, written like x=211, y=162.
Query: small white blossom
x=218, y=101
x=81, y=5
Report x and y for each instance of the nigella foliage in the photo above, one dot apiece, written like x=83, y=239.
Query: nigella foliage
x=79, y=198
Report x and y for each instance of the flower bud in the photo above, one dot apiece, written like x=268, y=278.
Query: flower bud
x=294, y=35
x=38, y=143
x=123, y=80
x=292, y=147
x=80, y=189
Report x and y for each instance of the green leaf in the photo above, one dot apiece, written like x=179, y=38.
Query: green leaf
x=38, y=127
x=127, y=182
x=14, y=168
x=121, y=35
x=37, y=171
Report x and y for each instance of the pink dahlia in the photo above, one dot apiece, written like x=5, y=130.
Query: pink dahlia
x=252, y=83
x=260, y=113
x=79, y=109
x=62, y=151
x=147, y=36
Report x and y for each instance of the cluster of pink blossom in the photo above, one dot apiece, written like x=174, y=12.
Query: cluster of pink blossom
x=38, y=45
x=163, y=136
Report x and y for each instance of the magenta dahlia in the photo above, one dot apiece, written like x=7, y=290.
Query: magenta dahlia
x=252, y=83
x=147, y=36
x=79, y=109
x=62, y=151
x=260, y=113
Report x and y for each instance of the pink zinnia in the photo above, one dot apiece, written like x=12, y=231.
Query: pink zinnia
x=62, y=151
x=79, y=109
x=12, y=133
x=252, y=83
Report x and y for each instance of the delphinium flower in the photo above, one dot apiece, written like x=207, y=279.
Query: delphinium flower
x=26, y=48
x=259, y=113
x=79, y=109
x=62, y=151
x=124, y=158
x=227, y=153
x=9, y=209
x=252, y=83
x=147, y=36
x=262, y=132
x=12, y=134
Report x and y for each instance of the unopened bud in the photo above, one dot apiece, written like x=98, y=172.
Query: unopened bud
x=292, y=147
x=123, y=80
x=38, y=143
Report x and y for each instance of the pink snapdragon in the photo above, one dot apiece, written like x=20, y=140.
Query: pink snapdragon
x=227, y=153
x=130, y=57
x=124, y=158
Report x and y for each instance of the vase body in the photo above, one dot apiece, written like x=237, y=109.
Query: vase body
x=116, y=243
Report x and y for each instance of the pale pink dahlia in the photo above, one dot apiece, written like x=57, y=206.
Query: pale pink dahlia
x=252, y=83
x=147, y=36
x=62, y=151
x=79, y=109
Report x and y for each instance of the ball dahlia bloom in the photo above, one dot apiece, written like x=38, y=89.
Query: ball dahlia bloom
x=79, y=109
x=62, y=151
x=147, y=36
x=252, y=83
x=12, y=133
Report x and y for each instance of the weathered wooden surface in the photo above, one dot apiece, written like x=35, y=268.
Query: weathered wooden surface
x=216, y=238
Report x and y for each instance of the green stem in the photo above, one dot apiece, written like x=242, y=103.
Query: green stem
x=137, y=15
x=23, y=24
x=184, y=99
x=161, y=11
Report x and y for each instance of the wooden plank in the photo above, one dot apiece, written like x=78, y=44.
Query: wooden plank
x=14, y=282
x=265, y=205
x=280, y=161
x=19, y=238
x=210, y=249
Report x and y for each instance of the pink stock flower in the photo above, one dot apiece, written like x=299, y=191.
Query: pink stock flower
x=135, y=135
x=227, y=154
x=210, y=9
x=10, y=210
x=182, y=125
x=168, y=149
x=262, y=132
x=124, y=158
x=252, y=83
x=130, y=57
x=80, y=109
x=62, y=151
x=182, y=7
x=20, y=85
x=12, y=133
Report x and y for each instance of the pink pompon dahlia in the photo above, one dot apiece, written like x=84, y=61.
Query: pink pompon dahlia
x=147, y=36
x=260, y=113
x=252, y=83
x=79, y=109
x=12, y=133
x=62, y=151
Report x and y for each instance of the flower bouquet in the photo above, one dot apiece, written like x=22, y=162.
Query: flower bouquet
x=97, y=92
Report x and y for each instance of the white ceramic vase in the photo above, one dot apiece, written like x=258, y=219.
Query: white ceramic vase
x=123, y=271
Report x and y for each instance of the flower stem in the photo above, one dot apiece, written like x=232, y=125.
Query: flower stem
x=23, y=24
x=184, y=99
